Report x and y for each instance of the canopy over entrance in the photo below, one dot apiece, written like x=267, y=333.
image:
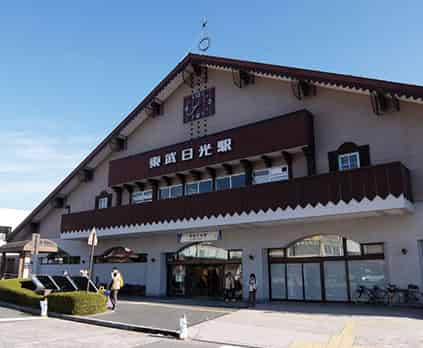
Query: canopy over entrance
x=25, y=246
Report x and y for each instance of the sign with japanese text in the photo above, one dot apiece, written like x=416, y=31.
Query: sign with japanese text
x=194, y=237
x=289, y=131
x=190, y=153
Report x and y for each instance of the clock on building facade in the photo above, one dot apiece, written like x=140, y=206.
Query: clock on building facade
x=199, y=105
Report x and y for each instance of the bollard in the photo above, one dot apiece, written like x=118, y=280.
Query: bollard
x=44, y=306
x=183, y=328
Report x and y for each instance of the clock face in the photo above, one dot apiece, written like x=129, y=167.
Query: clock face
x=199, y=105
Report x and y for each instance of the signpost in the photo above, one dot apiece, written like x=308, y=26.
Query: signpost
x=92, y=242
x=35, y=250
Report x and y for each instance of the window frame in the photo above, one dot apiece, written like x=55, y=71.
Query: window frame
x=197, y=183
x=143, y=192
x=348, y=155
x=230, y=180
x=169, y=189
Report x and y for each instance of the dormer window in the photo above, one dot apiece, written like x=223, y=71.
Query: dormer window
x=103, y=202
x=349, y=156
x=349, y=161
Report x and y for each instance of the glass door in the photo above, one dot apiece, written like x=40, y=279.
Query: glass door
x=278, y=281
x=312, y=281
x=335, y=281
x=295, y=281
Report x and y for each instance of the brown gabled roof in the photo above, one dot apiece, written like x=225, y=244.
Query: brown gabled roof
x=332, y=79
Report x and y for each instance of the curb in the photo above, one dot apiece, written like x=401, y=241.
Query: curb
x=97, y=322
x=116, y=325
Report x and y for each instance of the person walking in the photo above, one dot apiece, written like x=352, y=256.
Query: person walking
x=229, y=287
x=252, y=289
x=115, y=285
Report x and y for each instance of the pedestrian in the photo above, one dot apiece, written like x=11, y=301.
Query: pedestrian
x=229, y=287
x=115, y=285
x=252, y=289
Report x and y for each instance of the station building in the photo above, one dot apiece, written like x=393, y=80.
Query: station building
x=312, y=181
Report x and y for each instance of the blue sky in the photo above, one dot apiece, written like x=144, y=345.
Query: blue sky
x=70, y=71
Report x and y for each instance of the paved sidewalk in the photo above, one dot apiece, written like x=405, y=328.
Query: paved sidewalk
x=7, y=314
x=159, y=314
x=308, y=325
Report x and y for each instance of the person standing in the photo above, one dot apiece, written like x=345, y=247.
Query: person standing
x=229, y=287
x=115, y=286
x=252, y=289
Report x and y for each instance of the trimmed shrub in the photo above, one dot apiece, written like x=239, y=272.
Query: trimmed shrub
x=77, y=302
x=16, y=291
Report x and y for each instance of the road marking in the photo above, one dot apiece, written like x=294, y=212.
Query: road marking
x=3, y=320
x=195, y=308
x=344, y=340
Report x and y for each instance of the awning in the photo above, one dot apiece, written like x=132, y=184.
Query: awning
x=46, y=246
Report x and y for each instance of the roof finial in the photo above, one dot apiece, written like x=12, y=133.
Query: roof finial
x=204, y=43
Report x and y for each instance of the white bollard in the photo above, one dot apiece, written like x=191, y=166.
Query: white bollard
x=183, y=328
x=44, y=306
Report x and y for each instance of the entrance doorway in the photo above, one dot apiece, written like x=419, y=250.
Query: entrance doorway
x=199, y=270
x=324, y=268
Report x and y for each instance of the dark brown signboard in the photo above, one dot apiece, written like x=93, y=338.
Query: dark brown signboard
x=279, y=133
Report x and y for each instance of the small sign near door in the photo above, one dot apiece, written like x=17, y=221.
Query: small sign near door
x=193, y=237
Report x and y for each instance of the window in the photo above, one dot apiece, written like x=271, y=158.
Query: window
x=276, y=253
x=204, y=251
x=372, y=249
x=60, y=258
x=170, y=191
x=349, y=161
x=235, y=254
x=195, y=187
x=232, y=181
x=103, y=202
x=330, y=245
x=142, y=196
x=120, y=255
x=270, y=174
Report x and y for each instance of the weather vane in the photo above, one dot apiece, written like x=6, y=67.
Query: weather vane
x=204, y=43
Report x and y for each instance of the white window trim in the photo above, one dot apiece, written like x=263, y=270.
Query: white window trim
x=230, y=178
x=197, y=182
x=103, y=200
x=349, y=154
x=169, y=188
x=143, y=195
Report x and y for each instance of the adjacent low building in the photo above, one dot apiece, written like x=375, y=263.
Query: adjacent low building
x=310, y=180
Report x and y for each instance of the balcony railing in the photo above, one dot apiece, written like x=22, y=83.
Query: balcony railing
x=382, y=181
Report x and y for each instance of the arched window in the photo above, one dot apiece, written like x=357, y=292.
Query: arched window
x=206, y=251
x=323, y=246
x=120, y=255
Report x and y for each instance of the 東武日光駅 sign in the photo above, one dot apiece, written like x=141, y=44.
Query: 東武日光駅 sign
x=294, y=130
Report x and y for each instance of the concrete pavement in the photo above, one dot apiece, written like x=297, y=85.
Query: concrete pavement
x=297, y=325
x=161, y=314
x=55, y=333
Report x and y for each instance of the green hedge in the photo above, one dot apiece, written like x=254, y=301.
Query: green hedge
x=14, y=291
x=78, y=302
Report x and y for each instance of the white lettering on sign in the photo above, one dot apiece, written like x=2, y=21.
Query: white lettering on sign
x=187, y=154
x=204, y=150
x=191, y=237
x=170, y=158
x=224, y=145
x=155, y=162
